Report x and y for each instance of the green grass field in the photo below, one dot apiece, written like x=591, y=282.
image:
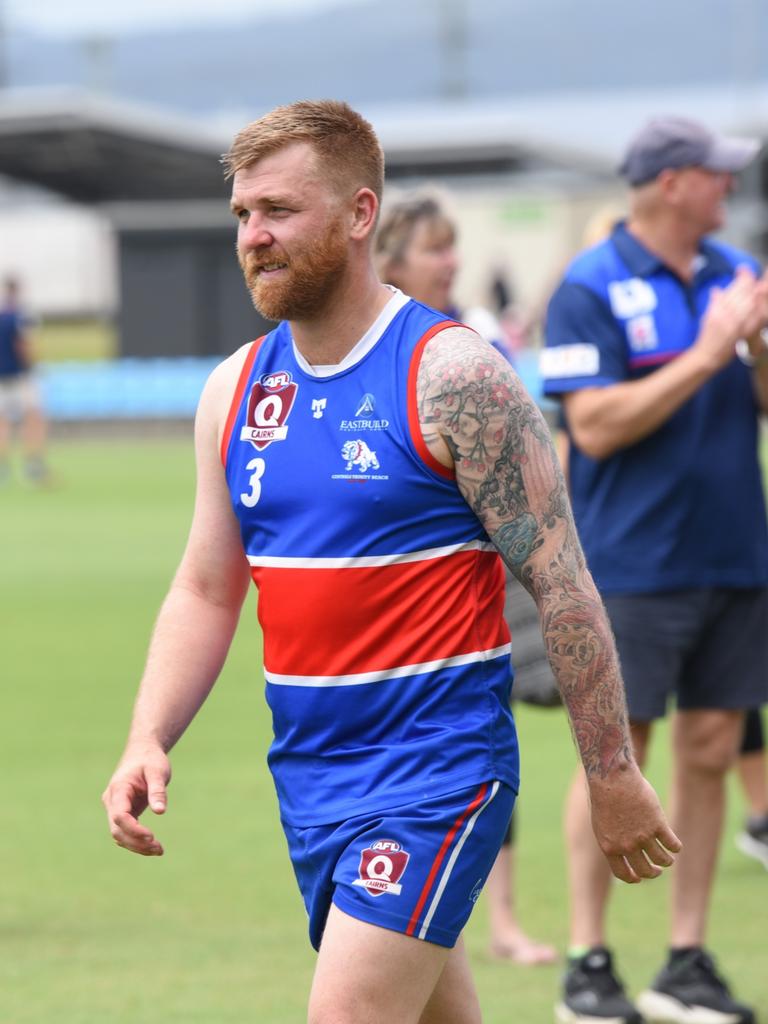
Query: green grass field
x=57, y=340
x=214, y=932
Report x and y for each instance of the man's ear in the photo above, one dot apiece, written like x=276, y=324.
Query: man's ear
x=365, y=209
x=668, y=184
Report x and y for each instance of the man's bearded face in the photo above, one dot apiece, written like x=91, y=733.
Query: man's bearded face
x=295, y=282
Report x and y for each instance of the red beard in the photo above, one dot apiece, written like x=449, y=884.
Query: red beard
x=308, y=282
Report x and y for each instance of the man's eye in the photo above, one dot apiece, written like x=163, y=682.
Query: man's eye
x=242, y=215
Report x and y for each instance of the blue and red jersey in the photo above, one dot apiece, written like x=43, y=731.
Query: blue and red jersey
x=386, y=654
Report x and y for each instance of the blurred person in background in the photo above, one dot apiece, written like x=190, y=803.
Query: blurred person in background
x=336, y=471
x=752, y=762
x=753, y=774
x=20, y=399
x=656, y=347
x=415, y=250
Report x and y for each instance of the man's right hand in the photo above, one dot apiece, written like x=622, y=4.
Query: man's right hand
x=729, y=316
x=140, y=781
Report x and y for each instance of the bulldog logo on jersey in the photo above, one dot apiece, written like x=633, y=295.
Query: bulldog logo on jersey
x=269, y=406
x=381, y=867
x=358, y=455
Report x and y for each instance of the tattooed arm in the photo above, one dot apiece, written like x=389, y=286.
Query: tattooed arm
x=476, y=416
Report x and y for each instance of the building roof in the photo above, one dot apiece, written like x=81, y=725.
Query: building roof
x=95, y=149
x=585, y=130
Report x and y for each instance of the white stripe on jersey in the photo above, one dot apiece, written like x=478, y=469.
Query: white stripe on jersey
x=381, y=676
x=451, y=862
x=366, y=561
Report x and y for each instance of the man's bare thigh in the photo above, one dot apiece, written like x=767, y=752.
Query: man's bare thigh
x=371, y=975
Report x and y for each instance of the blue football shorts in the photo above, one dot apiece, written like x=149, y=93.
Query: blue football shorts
x=416, y=869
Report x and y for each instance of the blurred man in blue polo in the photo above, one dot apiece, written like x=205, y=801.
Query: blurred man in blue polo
x=19, y=394
x=656, y=345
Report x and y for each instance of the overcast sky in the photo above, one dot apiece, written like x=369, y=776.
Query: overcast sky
x=79, y=17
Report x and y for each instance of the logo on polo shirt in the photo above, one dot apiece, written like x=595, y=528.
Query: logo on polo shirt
x=631, y=298
x=382, y=865
x=580, y=360
x=641, y=333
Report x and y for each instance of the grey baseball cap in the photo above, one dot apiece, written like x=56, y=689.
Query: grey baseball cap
x=670, y=142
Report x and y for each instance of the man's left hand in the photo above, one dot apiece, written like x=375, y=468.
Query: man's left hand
x=630, y=826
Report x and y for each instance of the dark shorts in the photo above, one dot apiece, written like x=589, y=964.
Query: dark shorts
x=416, y=869
x=753, y=741
x=707, y=648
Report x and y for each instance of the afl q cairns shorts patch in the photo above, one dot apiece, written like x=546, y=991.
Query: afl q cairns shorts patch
x=416, y=869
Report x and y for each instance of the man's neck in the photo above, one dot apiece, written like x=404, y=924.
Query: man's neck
x=674, y=246
x=325, y=339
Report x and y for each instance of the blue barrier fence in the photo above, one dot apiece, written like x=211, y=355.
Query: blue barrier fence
x=154, y=388
x=124, y=388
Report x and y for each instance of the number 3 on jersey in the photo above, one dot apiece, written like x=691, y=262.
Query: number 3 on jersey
x=258, y=466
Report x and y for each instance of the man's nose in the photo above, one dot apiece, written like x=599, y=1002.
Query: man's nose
x=253, y=233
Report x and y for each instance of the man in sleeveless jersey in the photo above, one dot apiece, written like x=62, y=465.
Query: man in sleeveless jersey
x=365, y=464
x=415, y=250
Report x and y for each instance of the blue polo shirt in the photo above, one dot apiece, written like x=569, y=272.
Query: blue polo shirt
x=11, y=330
x=683, y=508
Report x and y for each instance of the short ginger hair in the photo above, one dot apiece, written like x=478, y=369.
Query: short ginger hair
x=348, y=150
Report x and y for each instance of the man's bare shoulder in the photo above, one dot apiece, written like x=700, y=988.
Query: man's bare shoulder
x=458, y=337
x=221, y=384
x=463, y=355
x=218, y=392
x=225, y=375
x=463, y=385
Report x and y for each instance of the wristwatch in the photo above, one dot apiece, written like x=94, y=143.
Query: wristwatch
x=745, y=354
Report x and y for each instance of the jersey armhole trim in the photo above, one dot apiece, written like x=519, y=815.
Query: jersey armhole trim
x=237, y=398
x=413, y=409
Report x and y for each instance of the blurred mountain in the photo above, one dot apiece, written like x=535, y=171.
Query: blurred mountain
x=401, y=51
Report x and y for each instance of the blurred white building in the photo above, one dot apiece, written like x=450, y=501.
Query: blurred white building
x=64, y=254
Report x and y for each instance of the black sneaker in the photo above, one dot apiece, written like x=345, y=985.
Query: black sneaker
x=689, y=989
x=754, y=839
x=592, y=993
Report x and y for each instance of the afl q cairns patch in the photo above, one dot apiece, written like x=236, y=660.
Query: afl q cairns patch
x=382, y=865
